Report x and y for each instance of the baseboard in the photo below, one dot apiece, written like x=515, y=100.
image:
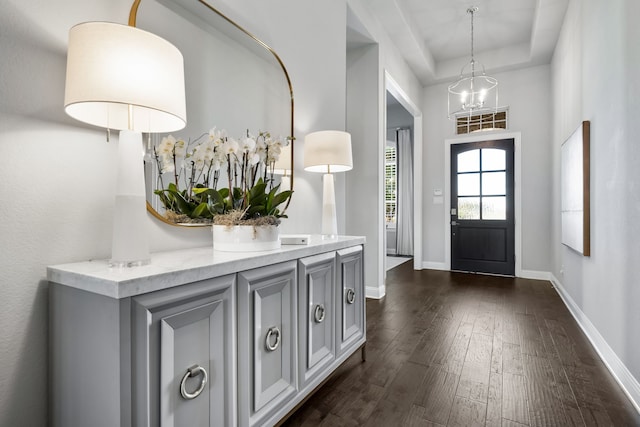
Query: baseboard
x=374, y=292
x=535, y=275
x=434, y=265
x=627, y=381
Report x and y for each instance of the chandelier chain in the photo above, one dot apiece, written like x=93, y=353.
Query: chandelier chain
x=472, y=10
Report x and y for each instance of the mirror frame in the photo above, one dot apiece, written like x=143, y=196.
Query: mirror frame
x=291, y=138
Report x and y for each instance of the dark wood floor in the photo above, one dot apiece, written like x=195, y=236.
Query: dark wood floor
x=468, y=350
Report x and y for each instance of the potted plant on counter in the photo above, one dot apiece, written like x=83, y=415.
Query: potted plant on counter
x=226, y=182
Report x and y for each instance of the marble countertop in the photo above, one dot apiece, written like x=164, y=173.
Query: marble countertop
x=174, y=268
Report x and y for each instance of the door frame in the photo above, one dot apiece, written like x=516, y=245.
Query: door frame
x=394, y=88
x=517, y=166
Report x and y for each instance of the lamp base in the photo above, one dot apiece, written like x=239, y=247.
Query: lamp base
x=329, y=217
x=130, y=246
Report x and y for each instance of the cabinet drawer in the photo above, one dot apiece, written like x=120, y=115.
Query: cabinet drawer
x=187, y=335
x=350, y=298
x=316, y=325
x=267, y=356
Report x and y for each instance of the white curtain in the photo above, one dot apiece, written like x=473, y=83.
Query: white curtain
x=404, y=215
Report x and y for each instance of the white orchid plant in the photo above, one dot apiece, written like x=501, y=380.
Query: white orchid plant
x=194, y=169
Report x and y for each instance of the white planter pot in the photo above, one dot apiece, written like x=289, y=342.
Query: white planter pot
x=245, y=238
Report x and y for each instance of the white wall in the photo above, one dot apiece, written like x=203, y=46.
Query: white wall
x=595, y=73
x=370, y=191
x=527, y=93
x=57, y=175
x=364, y=215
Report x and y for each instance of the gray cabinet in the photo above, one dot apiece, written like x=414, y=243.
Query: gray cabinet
x=316, y=315
x=267, y=348
x=350, y=299
x=200, y=338
x=187, y=335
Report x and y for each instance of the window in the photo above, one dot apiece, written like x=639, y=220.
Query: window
x=390, y=179
x=467, y=124
x=482, y=185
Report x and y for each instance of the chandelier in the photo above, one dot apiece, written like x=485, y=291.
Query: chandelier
x=474, y=92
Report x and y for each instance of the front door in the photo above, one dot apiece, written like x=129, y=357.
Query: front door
x=482, y=207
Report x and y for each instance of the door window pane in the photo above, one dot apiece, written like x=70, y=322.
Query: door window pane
x=468, y=207
x=469, y=184
x=494, y=183
x=469, y=161
x=494, y=207
x=493, y=159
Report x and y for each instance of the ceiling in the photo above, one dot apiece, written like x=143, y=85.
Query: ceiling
x=434, y=36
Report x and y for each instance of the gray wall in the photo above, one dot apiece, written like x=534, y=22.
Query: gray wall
x=527, y=93
x=58, y=175
x=595, y=72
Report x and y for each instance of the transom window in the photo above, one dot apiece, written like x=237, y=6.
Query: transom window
x=474, y=123
x=482, y=187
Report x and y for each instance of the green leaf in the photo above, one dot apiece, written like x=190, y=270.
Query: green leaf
x=183, y=205
x=201, y=211
x=282, y=197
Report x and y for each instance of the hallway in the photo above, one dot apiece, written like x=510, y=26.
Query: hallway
x=459, y=350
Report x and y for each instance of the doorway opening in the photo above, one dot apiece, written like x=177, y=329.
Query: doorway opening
x=402, y=178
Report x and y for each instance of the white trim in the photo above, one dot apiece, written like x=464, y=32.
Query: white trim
x=394, y=88
x=535, y=275
x=434, y=265
x=375, y=292
x=620, y=372
x=517, y=152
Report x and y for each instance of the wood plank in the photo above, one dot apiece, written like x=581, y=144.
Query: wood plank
x=416, y=418
x=512, y=359
x=565, y=394
x=485, y=323
x=467, y=413
x=531, y=341
x=514, y=398
x=497, y=354
x=437, y=393
x=545, y=407
x=436, y=339
x=361, y=403
x=474, y=378
x=399, y=395
x=454, y=359
x=494, y=400
x=509, y=423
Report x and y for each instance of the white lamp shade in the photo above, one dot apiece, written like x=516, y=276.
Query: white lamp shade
x=328, y=151
x=283, y=164
x=112, y=67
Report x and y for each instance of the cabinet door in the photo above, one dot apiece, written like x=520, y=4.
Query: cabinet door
x=316, y=314
x=184, y=355
x=351, y=299
x=267, y=340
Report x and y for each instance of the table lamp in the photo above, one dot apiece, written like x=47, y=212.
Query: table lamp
x=328, y=152
x=283, y=167
x=120, y=77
